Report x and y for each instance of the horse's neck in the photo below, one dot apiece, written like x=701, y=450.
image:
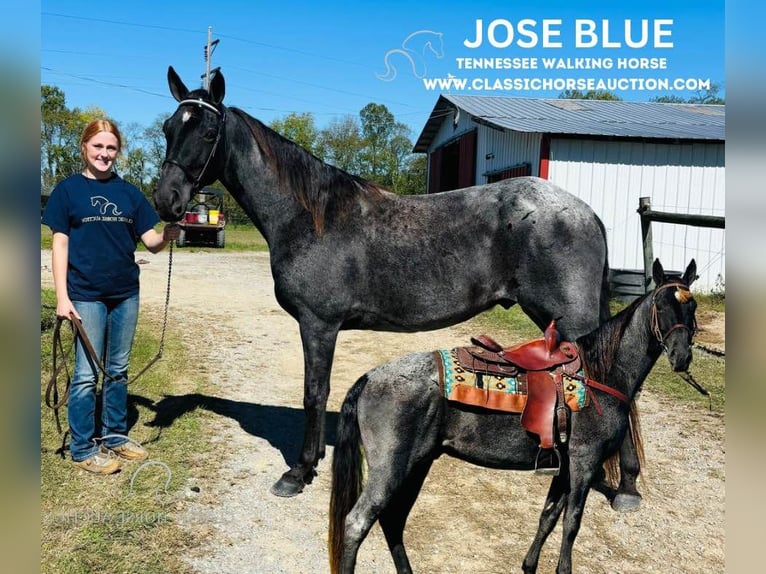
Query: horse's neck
x=254, y=183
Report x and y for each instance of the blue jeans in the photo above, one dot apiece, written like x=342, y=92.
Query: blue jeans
x=110, y=327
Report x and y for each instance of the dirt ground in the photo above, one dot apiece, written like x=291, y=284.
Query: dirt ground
x=467, y=519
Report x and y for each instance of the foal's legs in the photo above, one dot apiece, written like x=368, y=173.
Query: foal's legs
x=394, y=517
x=575, y=322
x=318, y=349
x=554, y=504
x=573, y=511
x=627, y=497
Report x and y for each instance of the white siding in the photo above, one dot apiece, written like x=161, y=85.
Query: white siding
x=449, y=131
x=678, y=178
x=509, y=148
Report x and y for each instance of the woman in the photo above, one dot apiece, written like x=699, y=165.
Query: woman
x=97, y=219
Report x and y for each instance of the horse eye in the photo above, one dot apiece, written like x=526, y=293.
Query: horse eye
x=209, y=135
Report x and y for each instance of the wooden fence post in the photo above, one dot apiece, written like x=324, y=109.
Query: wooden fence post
x=644, y=207
x=647, y=216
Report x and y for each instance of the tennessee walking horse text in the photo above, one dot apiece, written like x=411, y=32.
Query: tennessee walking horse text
x=346, y=254
x=399, y=415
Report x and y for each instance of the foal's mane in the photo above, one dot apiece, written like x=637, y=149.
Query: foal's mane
x=599, y=347
x=321, y=189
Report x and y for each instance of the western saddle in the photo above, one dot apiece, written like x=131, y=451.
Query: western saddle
x=541, y=364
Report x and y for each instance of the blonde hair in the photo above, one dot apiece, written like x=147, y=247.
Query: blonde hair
x=96, y=127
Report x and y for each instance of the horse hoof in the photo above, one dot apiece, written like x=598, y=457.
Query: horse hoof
x=626, y=502
x=287, y=487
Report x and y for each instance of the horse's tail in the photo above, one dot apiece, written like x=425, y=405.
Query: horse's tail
x=347, y=473
x=612, y=464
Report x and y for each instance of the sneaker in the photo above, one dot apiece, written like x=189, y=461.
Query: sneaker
x=130, y=451
x=99, y=463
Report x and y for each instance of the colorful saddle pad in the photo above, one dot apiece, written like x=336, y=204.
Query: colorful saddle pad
x=494, y=391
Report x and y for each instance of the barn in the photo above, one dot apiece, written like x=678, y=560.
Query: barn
x=609, y=153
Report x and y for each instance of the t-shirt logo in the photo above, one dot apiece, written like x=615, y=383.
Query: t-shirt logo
x=104, y=204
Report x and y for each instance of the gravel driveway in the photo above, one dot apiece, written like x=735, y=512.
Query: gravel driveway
x=467, y=519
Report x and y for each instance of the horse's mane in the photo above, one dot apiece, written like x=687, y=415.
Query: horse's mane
x=599, y=347
x=598, y=350
x=321, y=189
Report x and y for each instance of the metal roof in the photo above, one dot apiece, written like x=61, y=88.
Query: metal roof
x=583, y=117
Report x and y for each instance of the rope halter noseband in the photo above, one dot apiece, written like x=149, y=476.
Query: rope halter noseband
x=682, y=295
x=221, y=121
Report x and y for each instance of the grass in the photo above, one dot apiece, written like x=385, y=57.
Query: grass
x=239, y=237
x=92, y=523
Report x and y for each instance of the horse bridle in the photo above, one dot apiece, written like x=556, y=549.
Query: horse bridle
x=221, y=121
x=656, y=320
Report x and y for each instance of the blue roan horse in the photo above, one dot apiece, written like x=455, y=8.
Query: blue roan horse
x=398, y=414
x=346, y=254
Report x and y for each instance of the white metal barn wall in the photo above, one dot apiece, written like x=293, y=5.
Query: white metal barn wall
x=506, y=149
x=678, y=178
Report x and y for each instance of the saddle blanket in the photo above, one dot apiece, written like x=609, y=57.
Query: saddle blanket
x=492, y=391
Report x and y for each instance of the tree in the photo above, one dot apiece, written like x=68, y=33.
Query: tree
x=412, y=178
x=709, y=96
x=377, y=126
x=301, y=129
x=60, y=131
x=155, y=147
x=342, y=143
x=589, y=95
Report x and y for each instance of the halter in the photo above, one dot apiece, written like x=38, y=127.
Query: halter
x=222, y=120
x=656, y=320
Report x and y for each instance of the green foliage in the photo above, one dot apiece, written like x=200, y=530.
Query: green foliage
x=589, y=95
x=60, y=130
x=709, y=96
x=301, y=129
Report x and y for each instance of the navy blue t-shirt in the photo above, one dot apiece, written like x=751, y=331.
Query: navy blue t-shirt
x=104, y=221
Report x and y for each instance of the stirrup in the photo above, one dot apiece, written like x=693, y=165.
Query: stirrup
x=548, y=470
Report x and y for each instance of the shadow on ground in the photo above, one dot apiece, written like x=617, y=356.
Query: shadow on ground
x=281, y=426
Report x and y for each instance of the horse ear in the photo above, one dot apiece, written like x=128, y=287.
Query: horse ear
x=690, y=275
x=217, y=88
x=177, y=87
x=658, y=273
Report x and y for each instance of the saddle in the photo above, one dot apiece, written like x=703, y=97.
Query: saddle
x=541, y=365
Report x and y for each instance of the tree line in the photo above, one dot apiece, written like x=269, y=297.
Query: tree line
x=372, y=145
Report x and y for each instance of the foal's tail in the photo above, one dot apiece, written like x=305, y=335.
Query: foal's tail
x=347, y=476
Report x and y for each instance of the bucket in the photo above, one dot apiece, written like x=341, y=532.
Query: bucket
x=190, y=217
x=202, y=217
x=213, y=216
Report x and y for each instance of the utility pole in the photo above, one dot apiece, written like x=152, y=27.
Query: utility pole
x=209, y=48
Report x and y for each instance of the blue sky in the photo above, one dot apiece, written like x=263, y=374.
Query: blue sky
x=325, y=57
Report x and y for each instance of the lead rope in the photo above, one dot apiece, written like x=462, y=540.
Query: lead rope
x=158, y=356
x=52, y=398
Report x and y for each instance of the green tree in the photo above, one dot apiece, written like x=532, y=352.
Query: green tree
x=301, y=129
x=342, y=143
x=154, y=147
x=589, y=95
x=412, y=178
x=60, y=131
x=709, y=96
x=377, y=126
